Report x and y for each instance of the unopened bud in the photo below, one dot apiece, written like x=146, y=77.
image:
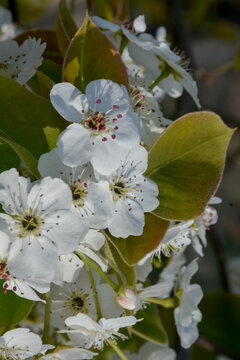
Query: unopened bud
x=127, y=298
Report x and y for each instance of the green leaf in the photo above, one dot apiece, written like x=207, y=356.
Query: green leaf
x=200, y=353
x=45, y=83
x=187, y=162
x=8, y=158
x=91, y=56
x=126, y=272
x=13, y=308
x=134, y=248
x=221, y=319
x=237, y=60
x=52, y=70
x=151, y=328
x=65, y=26
x=29, y=161
x=28, y=119
x=49, y=37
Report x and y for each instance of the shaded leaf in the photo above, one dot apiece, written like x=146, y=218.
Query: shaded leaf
x=187, y=162
x=30, y=162
x=65, y=26
x=221, y=319
x=151, y=328
x=91, y=56
x=28, y=119
x=8, y=158
x=45, y=83
x=13, y=308
x=134, y=248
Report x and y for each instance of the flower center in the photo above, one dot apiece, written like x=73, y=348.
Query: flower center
x=79, y=192
x=119, y=188
x=4, y=273
x=28, y=223
x=78, y=302
x=138, y=100
x=96, y=123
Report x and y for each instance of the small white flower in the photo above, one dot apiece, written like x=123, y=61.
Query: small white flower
x=187, y=315
x=41, y=224
x=70, y=354
x=150, y=351
x=104, y=128
x=202, y=224
x=84, y=331
x=20, y=62
x=131, y=194
x=8, y=30
x=21, y=344
x=86, y=200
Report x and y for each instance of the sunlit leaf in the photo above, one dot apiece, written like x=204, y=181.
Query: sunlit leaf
x=92, y=56
x=187, y=162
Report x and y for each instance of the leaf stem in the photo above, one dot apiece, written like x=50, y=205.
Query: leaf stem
x=167, y=303
x=46, y=336
x=99, y=271
x=94, y=289
x=117, y=349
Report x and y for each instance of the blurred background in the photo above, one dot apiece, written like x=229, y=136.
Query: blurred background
x=209, y=33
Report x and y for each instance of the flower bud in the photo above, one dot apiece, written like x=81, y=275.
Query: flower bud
x=127, y=298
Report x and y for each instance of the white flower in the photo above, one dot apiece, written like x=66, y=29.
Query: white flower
x=85, y=197
x=8, y=30
x=21, y=344
x=131, y=194
x=187, y=315
x=118, y=34
x=127, y=298
x=71, y=299
x=69, y=266
x=84, y=331
x=202, y=224
x=20, y=62
x=41, y=225
x=104, y=128
x=150, y=351
x=70, y=354
x=151, y=120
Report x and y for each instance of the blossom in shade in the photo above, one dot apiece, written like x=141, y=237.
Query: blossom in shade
x=84, y=331
x=150, y=351
x=41, y=226
x=21, y=344
x=104, y=126
x=8, y=30
x=70, y=354
x=187, y=315
x=20, y=62
x=131, y=194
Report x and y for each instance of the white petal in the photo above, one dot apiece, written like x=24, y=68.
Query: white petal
x=139, y=24
x=104, y=24
x=75, y=146
x=71, y=104
x=22, y=289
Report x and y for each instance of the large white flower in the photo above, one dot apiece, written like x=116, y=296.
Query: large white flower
x=71, y=299
x=20, y=62
x=85, y=197
x=41, y=224
x=84, y=331
x=131, y=194
x=187, y=315
x=104, y=128
x=21, y=344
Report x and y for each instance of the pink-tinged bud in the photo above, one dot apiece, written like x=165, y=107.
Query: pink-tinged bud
x=127, y=299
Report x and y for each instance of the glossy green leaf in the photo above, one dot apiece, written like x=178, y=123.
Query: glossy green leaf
x=52, y=70
x=151, y=328
x=49, y=37
x=29, y=161
x=91, y=56
x=8, y=158
x=134, y=248
x=187, y=162
x=13, y=308
x=28, y=119
x=126, y=272
x=221, y=319
x=65, y=26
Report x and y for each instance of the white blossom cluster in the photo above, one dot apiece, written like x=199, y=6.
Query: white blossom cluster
x=93, y=182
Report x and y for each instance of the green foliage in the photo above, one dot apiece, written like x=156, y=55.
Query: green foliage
x=28, y=120
x=13, y=308
x=221, y=317
x=151, y=328
x=8, y=158
x=65, y=26
x=45, y=83
x=134, y=248
x=91, y=56
x=187, y=162
x=237, y=60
